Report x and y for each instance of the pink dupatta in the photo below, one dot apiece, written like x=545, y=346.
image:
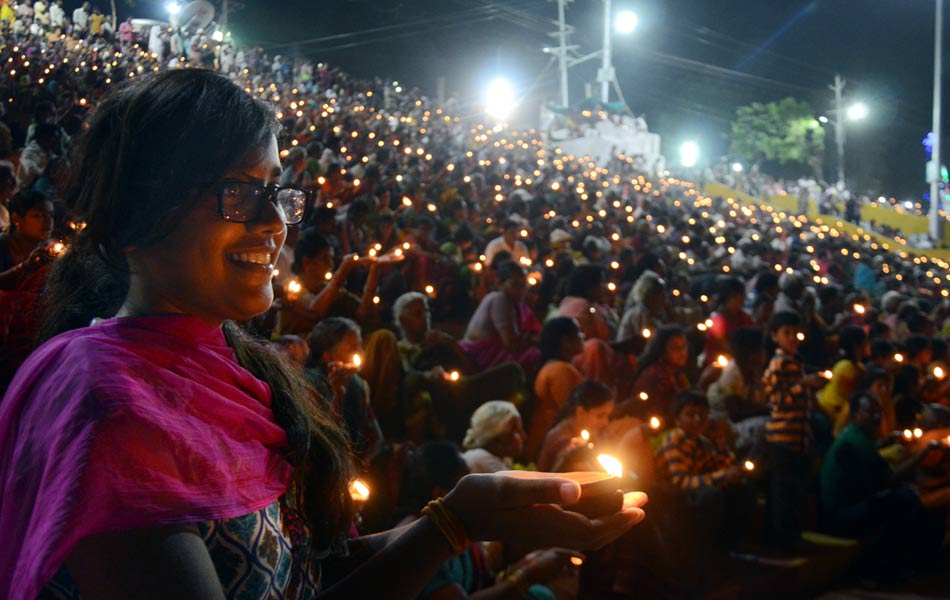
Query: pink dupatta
x=131, y=423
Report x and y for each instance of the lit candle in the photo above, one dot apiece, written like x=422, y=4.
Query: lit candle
x=800, y=336
x=357, y=361
x=748, y=465
x=722, y=361
x=611, y=465
x=375, y=299
x=644, y=396
x=908, y=434
x=899, y=358
x=646, y=333
x=938, y=373
x=359, y=491
x=918, y=433
x=826, y=374
x=577, y=561
x=859, y=309
x=453, y=375
x=294, y=287
x=58, y=248
x=328, y=276
x=549, y=263
x=585, y=435
x=654, y=422
x=430, y=290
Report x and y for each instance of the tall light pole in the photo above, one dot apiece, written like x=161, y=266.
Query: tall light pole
x=936, y=227
x=606, y=74
x=838, y=89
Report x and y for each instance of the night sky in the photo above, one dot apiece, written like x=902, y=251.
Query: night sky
x=686, y=68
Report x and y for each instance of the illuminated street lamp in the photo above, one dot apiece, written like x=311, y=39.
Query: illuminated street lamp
x=173, y=8
x=499, y=99
x=736, y=167
x=626, y=21
x=689, y=154
x=857, y=111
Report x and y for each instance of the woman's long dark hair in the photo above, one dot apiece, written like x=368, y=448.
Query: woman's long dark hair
x=553, y=333
x=149, y=147
x=588, y=394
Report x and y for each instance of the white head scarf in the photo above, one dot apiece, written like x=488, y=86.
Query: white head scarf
x=488, y=421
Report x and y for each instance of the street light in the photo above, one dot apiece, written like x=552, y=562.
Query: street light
x=626, y=21
x=689, y=154
x=857, y=111
x=737, y=167
x=823, y=120
x=173, y=8
x=499, y=99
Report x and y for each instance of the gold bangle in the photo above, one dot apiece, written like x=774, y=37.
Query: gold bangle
x=517, y=581
x=450, y=526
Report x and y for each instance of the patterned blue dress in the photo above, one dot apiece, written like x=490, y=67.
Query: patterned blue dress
x=261, y=555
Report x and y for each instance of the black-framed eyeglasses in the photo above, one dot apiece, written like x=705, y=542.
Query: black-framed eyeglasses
x=245, y=201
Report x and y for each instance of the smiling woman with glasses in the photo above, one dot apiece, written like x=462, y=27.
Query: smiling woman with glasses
x=154, y=449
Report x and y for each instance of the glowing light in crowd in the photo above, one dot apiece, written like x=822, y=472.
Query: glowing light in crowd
x=357, y=361
x=499, y=99
x=644, y=396
x=453, y=375
x=577, y=561
x=654, y=422
x=359, y=491
x=173, y=8
x=610, y=464
x=918, y=433
x=626, y=21
x=585, y=435
x=294, y=287
x=646, y=333
x=800, y=336
x=689, y=154
x=722, y=361
x=826, y=374
x=859, y=309
x=737, y=167
x=58, y=248
x=748, y=465
x=899, y=358
x=430, y=290
x=908, y=434
x=938, y=373
x=857, y=111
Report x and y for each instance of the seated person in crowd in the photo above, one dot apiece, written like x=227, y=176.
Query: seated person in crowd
x=727, y=318
x=661, y=375
x=335, y=346
x=503, y=327
x=495, y=437
x=861, y=495
x=561, y=341
x=587, y=409
x=707, y=472
x=738, y=395
x=321, y=296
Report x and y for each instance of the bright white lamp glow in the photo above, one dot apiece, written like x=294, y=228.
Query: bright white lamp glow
x=823, y=119
x=173, y=8
x=857, y=111
x=218, y=36
x=499, y=99
x=626, y=21
x=737, y=167
x=689, y=154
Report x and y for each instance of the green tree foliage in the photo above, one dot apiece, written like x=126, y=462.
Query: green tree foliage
x=784, y=132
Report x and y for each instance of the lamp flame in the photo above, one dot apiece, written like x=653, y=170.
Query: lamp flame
x=359, y=491
x=610, y=464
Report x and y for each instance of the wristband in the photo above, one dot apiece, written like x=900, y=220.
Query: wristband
x=450, y=525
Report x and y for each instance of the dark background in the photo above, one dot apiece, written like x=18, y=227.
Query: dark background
x=687, y=67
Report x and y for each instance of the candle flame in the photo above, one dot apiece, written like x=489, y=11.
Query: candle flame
x=294, y=287
x=585, y=435
x=800, y=336
x=359, y=491
x=938, y=372
x=646, y=333
x=899, y=357
x=722, y=361
x=357, y=360
x=454, y=376
x=748, y=465
x=430, y=290
x=908, y=434
x=58, y=248
x=577, y=561
x=826, y=374
x=859, y=309
x=918, y=432
x=328, y=276
x=611, y=465
x=644, y=396
x=654, y=422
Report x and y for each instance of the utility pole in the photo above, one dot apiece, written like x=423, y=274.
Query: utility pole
x=224, y=15
x=838, y=89
x=562, y=50
x=606, y=73
x=936, y=226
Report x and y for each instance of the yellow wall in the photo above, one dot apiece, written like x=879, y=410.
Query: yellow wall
x=907, y=224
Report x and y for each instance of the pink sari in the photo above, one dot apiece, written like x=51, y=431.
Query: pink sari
x=131, y=423
x=490, y=352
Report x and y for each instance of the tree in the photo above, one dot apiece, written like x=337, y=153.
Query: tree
x=783, y=132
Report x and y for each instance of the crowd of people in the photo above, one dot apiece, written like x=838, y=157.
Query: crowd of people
x=438, y=298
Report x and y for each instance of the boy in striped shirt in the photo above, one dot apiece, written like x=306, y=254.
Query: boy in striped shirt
x=788, y=432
